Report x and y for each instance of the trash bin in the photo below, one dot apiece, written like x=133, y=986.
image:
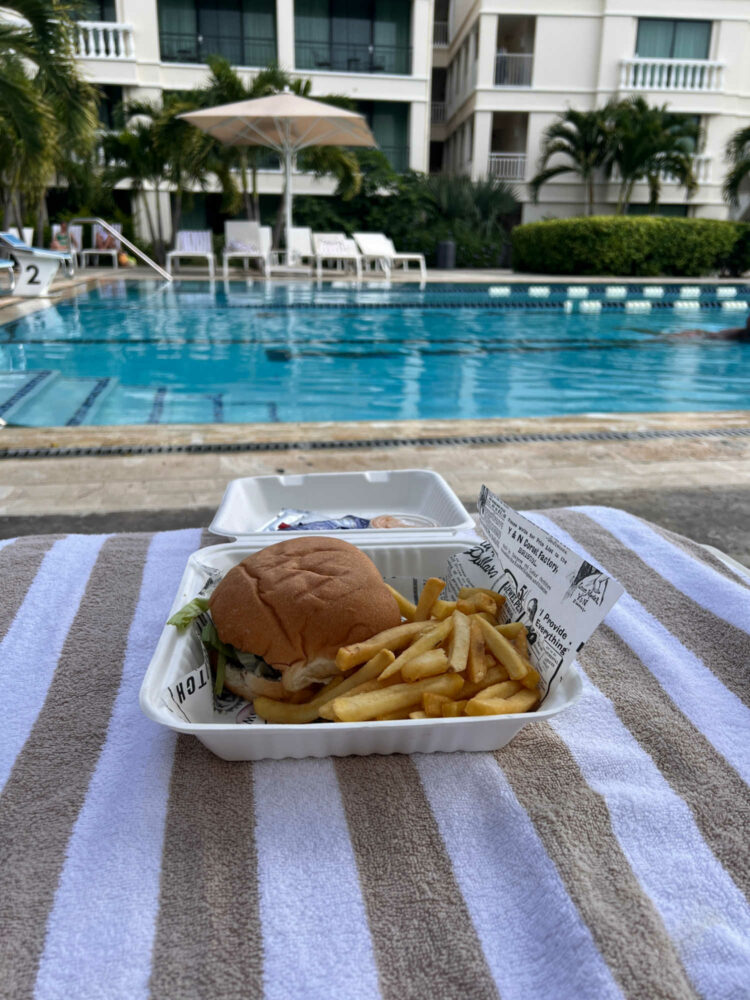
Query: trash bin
x=445, y=256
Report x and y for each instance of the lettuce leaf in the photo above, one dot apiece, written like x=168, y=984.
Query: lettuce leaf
x=189, y=612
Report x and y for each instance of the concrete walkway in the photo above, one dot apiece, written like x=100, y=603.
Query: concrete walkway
x=687, y=471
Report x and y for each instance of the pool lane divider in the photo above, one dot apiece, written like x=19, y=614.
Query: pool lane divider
x=220, y=447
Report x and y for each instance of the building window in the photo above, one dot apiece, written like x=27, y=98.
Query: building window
x=243, y=31
x=110, y=107
x=368, y=37
x=661, y=38
x=98, y=10
x=389, y=122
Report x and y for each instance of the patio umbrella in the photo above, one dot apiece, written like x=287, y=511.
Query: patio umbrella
x=284, y=122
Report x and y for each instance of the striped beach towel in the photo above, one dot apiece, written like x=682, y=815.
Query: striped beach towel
x=602, y=855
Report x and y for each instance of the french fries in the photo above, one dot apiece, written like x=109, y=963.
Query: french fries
x=458, y=650
x=447, y=660
x=361, y=707
x=428, y=664
x=430, y=593
x=503, y=650
x=393, y=639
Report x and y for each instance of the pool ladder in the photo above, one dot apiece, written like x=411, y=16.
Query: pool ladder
x=118, y=236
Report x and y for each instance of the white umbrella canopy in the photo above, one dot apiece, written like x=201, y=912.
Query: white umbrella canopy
x=285, y=122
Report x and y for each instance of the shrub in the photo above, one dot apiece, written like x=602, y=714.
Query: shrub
x=738, y=260
x=644, y=247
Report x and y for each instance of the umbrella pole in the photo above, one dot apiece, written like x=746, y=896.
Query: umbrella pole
x=288, y=201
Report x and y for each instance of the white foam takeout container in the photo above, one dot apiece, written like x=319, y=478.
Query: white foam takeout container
x=251, y=503
x=418, y=554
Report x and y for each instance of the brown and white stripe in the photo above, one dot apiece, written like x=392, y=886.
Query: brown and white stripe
x=600, y=856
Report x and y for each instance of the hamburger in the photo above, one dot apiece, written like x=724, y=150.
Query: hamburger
x=281, y=615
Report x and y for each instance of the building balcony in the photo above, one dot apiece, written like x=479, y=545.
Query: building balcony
x=440, y=35
x=351, y=58
x=702, y=164
x=104, y=40
x=437, y=116
x=507, y=166
x=686, y=75
x=514, y=69
x=191, y=48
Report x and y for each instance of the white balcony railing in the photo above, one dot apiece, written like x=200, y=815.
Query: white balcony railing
x=695, y=75
x=513, y=69
x=440, y=34
x=438, y=113
x=507, y=166
x=701, y=169
x=104, y=40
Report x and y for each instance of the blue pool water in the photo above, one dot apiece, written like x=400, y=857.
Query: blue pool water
x=141, y=352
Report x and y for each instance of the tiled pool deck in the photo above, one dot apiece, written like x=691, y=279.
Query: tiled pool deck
x=692, y=468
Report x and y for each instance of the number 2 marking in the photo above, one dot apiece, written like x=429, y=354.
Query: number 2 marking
x=34, y=280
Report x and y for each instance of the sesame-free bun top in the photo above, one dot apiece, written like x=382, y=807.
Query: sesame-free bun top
x=297, y=602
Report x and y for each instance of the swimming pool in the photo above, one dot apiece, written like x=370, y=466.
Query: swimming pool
x=132, y=352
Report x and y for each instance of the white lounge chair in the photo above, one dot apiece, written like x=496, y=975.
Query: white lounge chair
x=96, y=231
x=336, y=247
x=378, y=248
x=193, y=243
x=76, y=239
x=300, y=246
x=246, y=241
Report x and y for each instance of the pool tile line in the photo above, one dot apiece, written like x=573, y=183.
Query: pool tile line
x=80, y=415
x=24, y=390
x=157, y=405
x=350, y=445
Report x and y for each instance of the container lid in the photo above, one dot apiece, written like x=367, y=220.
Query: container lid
x=400, y=503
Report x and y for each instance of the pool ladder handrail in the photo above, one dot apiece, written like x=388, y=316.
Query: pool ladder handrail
x=118, y=236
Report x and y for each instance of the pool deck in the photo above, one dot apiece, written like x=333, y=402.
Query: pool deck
x=687, y=471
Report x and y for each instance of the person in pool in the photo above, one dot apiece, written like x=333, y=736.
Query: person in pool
x=741, y=333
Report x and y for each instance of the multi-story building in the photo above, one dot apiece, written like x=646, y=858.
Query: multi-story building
x=503, y=71
x=466, y=86
x=377, y=52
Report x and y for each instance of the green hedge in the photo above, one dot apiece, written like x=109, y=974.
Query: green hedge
x=645, y=246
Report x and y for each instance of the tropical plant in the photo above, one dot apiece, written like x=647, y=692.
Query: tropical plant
x=626, y=245
x=583, y=139
x=136, y=155
x=47, y=110
x=225, y=86
x=418, y=211
x=648, y=143
x=738, y=154
x=187, y=155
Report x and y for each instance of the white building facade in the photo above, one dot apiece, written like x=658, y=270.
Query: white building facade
x=455, y=85
x=503, y=71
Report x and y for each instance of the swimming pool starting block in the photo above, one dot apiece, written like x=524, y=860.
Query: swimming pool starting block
x=35, y=268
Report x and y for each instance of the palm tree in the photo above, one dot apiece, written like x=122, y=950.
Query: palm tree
x=47, y=110
x=186, y=154
x=738, y=154
x=583, y=138
x=648, y=142
x=134, y=154
x=225, y=86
